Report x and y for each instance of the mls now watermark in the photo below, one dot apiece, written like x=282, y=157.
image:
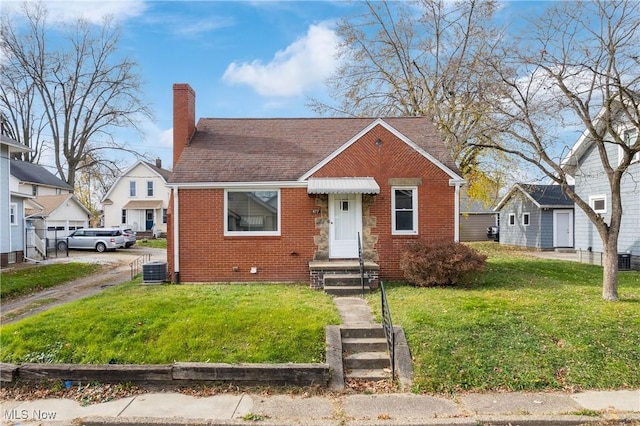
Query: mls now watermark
x=16, y=414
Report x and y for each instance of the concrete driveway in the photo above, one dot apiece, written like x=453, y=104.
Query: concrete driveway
x=115, y=270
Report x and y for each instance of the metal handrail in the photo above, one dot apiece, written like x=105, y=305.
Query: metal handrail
x=136, y=265
x=389, y=331
x=361, y=261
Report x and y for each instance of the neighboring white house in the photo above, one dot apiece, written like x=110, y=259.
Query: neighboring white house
x=591, y=184
x=139, y=199
x=35, y=180
x=51, y=212
x=12, y=224
x=58, y=215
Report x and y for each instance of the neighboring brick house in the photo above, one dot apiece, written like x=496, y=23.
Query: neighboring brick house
x=259, y=200
x=536, y=216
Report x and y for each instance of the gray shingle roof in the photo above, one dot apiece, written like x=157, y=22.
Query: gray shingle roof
x=283, y=149
x=33, y=173
x=162, y=172
x=547, y=195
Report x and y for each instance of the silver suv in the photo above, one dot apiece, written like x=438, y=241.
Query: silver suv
x=99, y=239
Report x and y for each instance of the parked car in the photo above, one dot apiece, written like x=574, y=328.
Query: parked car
x=493, y=233
x=99, y=239
x=129, y=237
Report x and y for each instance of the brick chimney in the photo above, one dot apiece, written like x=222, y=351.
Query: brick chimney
x=184, y=118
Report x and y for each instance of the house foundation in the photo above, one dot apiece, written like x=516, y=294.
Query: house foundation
x=320, y=269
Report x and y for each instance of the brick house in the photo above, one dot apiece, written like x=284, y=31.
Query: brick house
x=264, y=200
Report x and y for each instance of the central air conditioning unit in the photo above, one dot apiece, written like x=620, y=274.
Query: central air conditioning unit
x=154, y=272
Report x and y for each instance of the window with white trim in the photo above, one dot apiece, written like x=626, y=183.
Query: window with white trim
x=630, y=138
x=404, y=210
x=526, y=219
x=13, y=213
x=132, y=188
x=149, y=188
x=123, y=218
x=512, y=219
x=598, y=203
x=252, y=212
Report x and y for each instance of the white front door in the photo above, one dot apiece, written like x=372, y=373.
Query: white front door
x=563, y=228
x=345, y=224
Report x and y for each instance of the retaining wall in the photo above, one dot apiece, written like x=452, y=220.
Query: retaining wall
x=181, y=373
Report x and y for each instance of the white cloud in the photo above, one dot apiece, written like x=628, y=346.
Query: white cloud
x=303, y=64
x=92, y=11
x=191, y=28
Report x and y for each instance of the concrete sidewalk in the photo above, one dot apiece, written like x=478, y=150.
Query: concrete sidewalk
x=619, y=407
x=172, y=408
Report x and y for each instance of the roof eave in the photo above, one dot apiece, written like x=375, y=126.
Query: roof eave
x=232, y=185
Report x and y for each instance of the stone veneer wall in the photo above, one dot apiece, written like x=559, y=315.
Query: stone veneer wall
x=322, y=224
x=369, y=240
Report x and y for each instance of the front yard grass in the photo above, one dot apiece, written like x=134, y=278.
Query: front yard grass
x=159, y=324
x=27, y=280
x=523, y=324
x=152, y=243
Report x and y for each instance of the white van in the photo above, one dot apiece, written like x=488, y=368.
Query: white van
x=99, y=239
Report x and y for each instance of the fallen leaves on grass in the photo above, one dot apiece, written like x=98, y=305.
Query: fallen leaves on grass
x=85, y=393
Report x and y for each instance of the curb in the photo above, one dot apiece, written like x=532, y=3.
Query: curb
x=464, y=421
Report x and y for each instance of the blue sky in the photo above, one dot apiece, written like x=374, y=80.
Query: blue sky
x=243, y=59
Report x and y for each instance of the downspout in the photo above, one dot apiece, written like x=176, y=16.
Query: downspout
x=176, y=237
x=456, y=207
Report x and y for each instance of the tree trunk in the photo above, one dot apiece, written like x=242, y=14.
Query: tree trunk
x=610, y=272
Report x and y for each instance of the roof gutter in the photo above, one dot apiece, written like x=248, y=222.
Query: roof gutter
x=235, y=185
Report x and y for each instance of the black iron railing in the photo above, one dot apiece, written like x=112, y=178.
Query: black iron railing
x=361, y=260
x=136, y=265
x=389, y=332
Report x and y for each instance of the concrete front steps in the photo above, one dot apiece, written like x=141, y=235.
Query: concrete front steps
x=345, y=284
x=364, y=353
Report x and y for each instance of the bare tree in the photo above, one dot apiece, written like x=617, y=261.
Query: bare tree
x=67, y=88
x=576, y=65
x=421, y=58
x=94, y=179
x=24, y=121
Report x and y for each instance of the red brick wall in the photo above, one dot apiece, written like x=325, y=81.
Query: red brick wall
x=394, y=159
x=206, y=255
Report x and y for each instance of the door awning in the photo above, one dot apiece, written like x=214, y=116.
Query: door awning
x=143, y=204
x=343, y=185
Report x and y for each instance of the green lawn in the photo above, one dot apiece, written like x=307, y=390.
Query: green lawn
x=152, y=243
x=31, y=279
x=523, y=324
x=156, y=324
